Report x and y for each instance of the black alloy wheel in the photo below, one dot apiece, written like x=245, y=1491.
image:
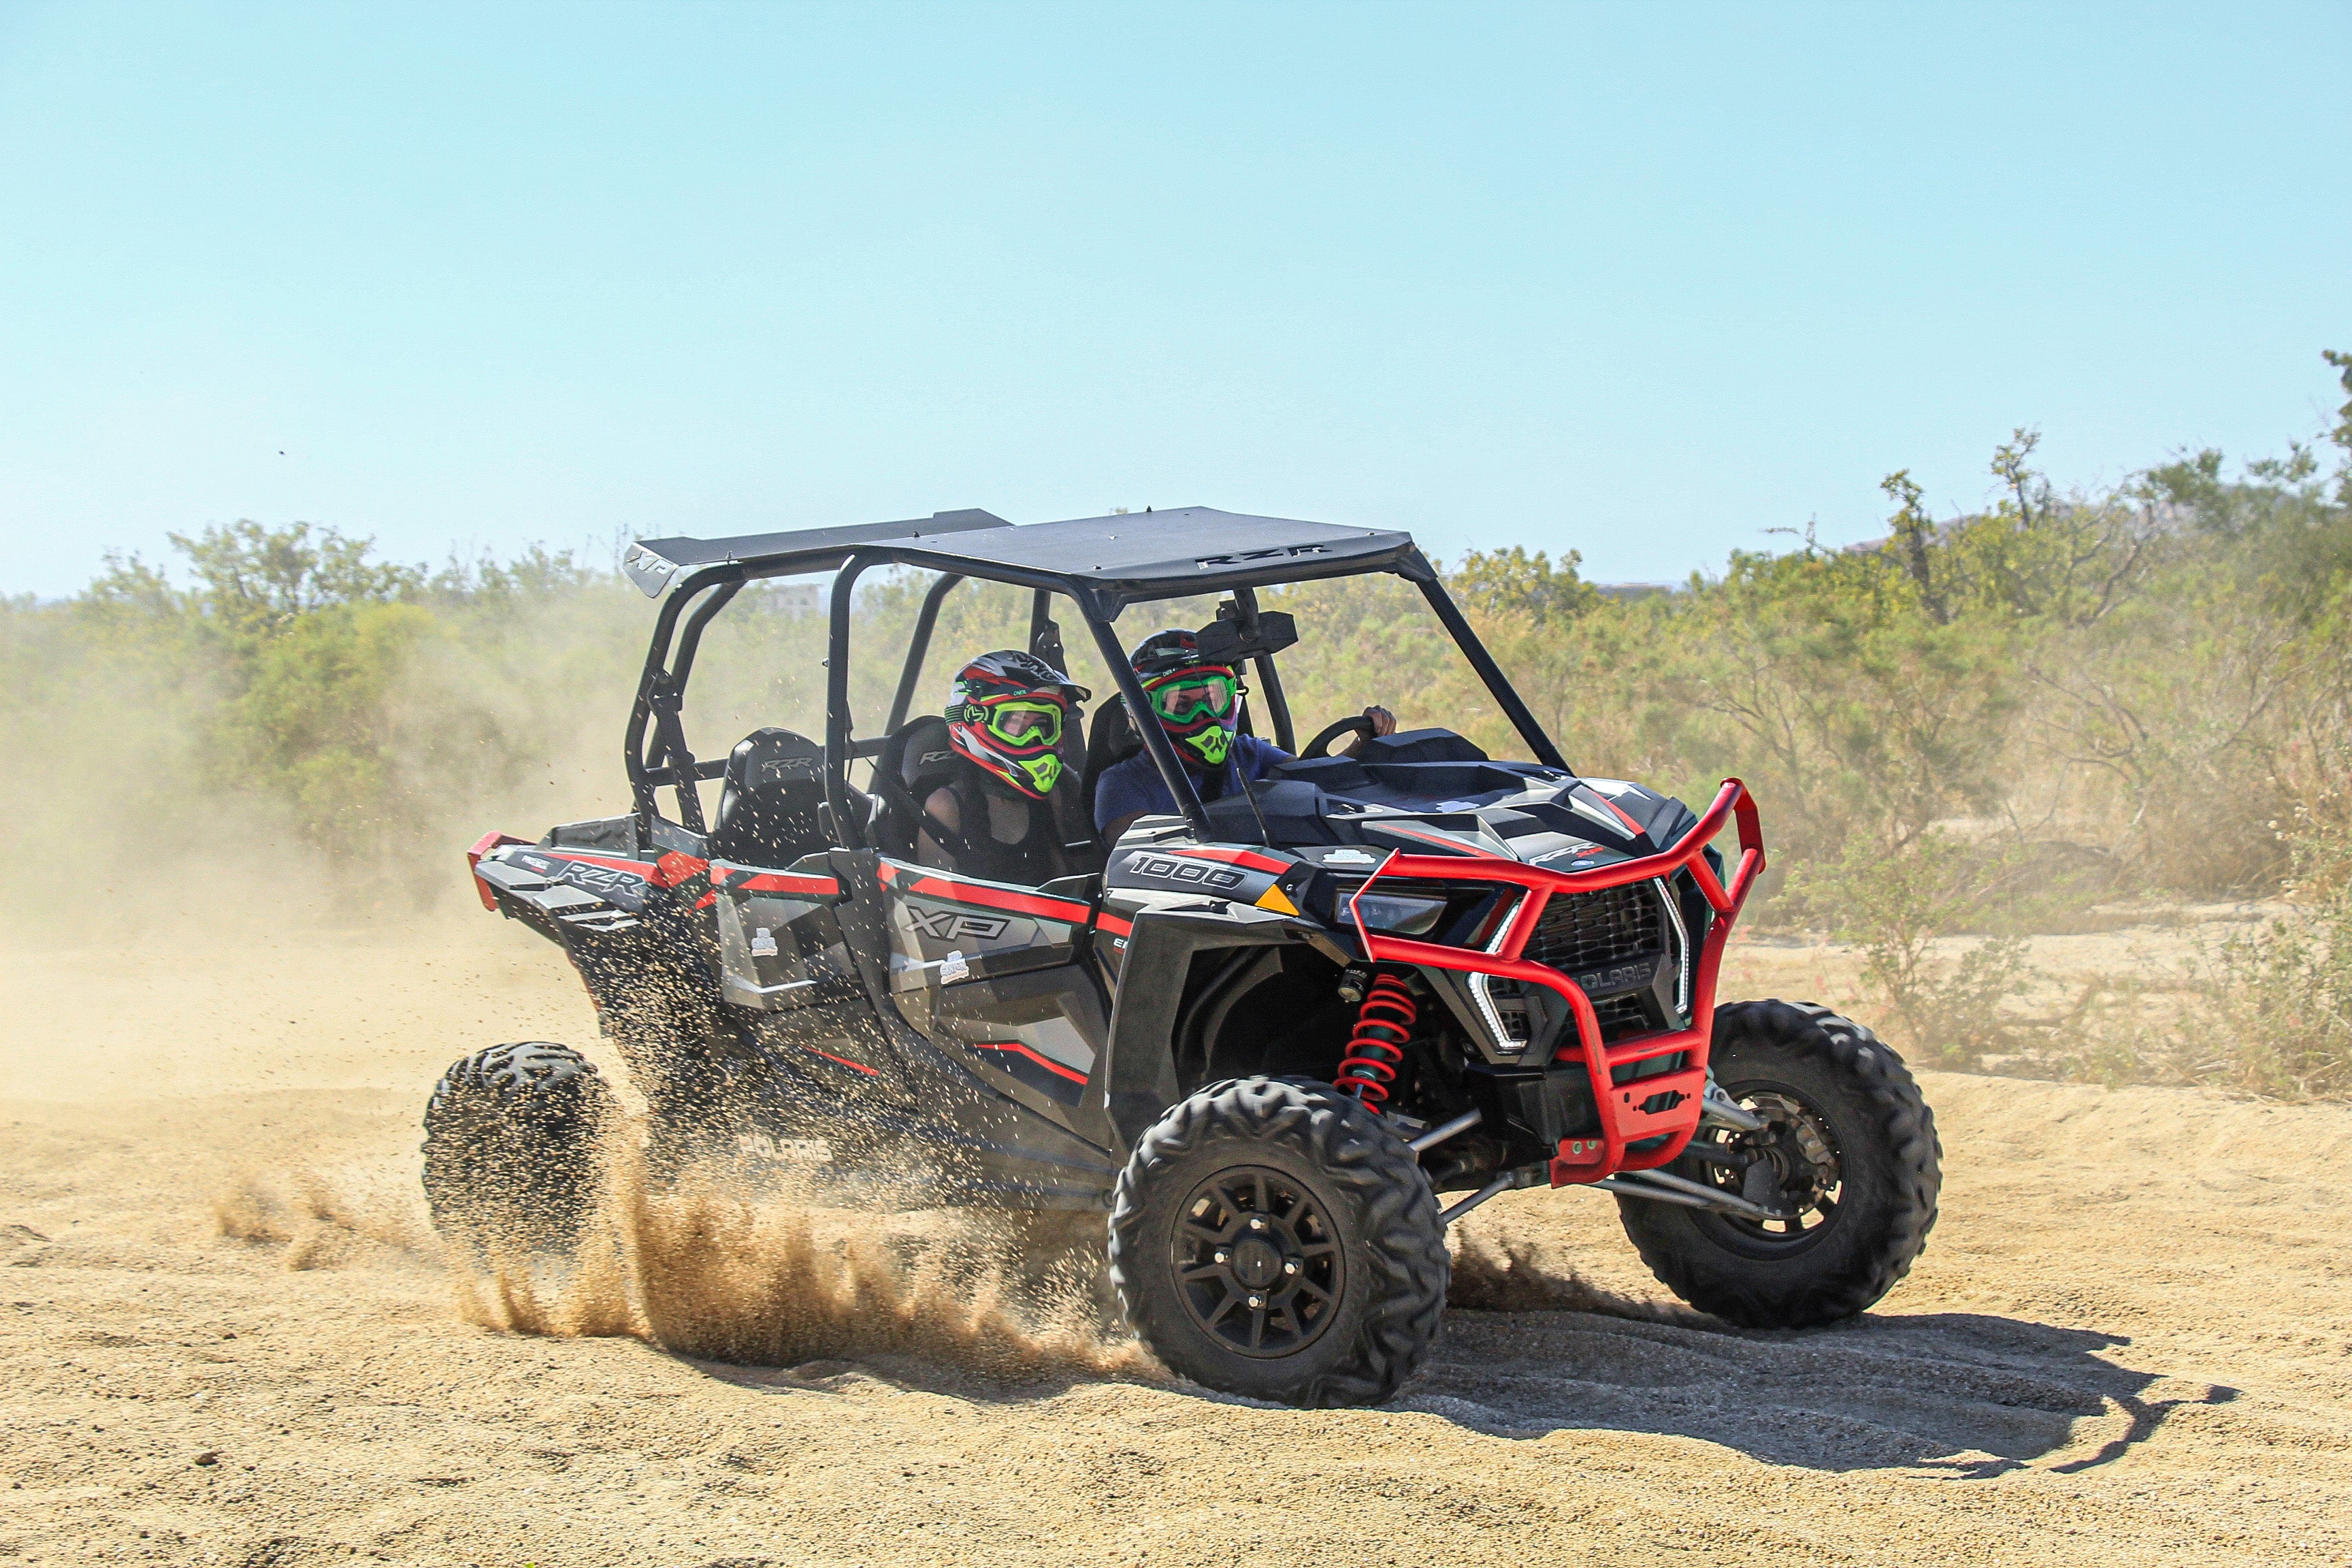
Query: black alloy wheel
x=1259, y=1265
x=1273, y=1237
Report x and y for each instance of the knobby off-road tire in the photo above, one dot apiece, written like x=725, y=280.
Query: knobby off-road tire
x=510, y=1147
x=1865, y=1108
x=1289, y=1191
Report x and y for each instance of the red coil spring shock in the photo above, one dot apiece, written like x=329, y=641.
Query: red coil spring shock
x=1383, y=1024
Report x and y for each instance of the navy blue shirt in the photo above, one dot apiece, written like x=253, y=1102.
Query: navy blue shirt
x=1134, y=785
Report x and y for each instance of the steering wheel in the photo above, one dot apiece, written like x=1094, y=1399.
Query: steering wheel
x=1354, y=723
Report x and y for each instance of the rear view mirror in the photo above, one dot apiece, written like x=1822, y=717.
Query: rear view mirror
x=1223, y=641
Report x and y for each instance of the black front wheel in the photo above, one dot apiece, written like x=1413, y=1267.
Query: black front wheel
x=1848, y=1156
x=1270, y=1238
x=510, y=1147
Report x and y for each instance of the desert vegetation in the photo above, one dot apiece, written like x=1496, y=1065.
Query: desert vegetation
x=2059, y=710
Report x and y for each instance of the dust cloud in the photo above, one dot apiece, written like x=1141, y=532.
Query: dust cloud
x=776, y=1276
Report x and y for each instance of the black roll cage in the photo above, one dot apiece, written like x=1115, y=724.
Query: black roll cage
x=656, y=755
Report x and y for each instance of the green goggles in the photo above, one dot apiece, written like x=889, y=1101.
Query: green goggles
x=1019, y=722
x=1188, y=696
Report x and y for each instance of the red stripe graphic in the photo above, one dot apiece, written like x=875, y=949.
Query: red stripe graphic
x=672, y=868
x=783, y=882
x=1019, y=1049
x=844, y=1061
x=1456, y=845
x=1631, y=826
x=932, y=885
x=1113, y=924
x=1249, y=858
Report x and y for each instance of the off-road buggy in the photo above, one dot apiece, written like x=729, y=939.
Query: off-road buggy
x=1265, y=1036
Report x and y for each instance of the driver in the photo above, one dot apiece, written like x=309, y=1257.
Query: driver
x=1200, y=707
x=998, y=817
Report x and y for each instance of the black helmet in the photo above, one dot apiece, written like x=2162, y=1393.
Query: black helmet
x=1197, y=704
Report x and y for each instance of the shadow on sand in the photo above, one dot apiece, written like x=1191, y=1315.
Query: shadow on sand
x=1967, y=1395
x=1962, y=1394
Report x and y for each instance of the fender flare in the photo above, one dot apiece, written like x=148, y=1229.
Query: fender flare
x=1138, y=1069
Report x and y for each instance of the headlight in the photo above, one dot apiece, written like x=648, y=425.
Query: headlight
x=1400, y=917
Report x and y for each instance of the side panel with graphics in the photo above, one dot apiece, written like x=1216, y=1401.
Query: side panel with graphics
x=602, y=892
x=778, y=944
x=1038, y=1033
x=946, y=930
x=839, y=1047
x=1203, y=877
x=1209, y=872
x=988, y=972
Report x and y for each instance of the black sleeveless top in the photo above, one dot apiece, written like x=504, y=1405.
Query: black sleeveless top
x=1035, y=858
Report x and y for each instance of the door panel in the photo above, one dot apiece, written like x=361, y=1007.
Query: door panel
x=783, y=953
x=1040, y=1033
x=947, y=929
x=988, y=972
x=837, y=1046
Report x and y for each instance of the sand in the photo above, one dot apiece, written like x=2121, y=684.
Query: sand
x=226, y=1337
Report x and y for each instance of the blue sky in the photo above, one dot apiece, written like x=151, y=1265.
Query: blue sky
x=1643, y=281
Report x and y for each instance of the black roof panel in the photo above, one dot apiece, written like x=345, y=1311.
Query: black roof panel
x=652, y=563
x=1114, y=561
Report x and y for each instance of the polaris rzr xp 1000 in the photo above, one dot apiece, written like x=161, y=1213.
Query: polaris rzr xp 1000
x=1265, y=1032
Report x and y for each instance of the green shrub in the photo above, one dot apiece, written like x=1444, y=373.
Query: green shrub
x=1895, y=907
x=2283, y=1004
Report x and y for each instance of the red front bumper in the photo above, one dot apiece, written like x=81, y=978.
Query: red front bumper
x=1668, y=1103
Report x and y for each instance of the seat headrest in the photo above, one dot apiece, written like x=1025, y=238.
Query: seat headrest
x=1112, y=732
x=767, y=759
x=1112, y=741
x=926, y=761
x=774, y=781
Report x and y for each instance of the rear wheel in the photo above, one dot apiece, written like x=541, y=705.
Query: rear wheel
x=1270, y=1238
x=1849, y=1154
x=510, y=1147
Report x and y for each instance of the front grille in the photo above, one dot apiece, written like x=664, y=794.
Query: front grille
x=1611, y=940
x=1581, y=932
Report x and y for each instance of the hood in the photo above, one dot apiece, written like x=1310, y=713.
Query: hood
x=1432, y=793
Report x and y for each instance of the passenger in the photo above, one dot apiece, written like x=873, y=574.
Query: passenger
x=1200, y=707
x=1002, y=818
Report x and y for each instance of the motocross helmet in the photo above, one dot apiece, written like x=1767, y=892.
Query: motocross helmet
x=1197, y=704
x=1005, y=714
